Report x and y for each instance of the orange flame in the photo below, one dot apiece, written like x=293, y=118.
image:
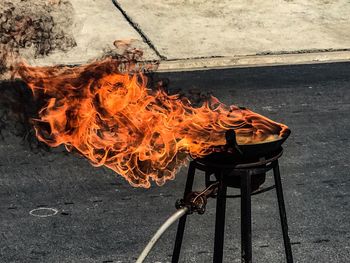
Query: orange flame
x=112, y=118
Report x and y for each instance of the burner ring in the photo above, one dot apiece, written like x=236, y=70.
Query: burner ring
x=204, y=162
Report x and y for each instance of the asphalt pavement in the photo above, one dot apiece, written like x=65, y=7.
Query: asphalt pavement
x=98, y=217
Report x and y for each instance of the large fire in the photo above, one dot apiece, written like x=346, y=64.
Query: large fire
x=113, y=119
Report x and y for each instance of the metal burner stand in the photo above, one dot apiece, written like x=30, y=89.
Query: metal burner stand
x=224, y=175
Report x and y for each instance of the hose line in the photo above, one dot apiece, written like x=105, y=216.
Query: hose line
x=172, y=219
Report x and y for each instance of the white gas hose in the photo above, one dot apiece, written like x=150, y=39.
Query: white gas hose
x=178, y=214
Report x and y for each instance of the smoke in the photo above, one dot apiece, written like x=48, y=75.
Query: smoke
x=33, y=28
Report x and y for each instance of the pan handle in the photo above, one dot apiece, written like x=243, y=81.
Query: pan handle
x=231, y=141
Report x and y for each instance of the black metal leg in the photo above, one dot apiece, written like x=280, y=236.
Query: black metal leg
x=182, y=221
x=283, y=215
x=220, y=220
x=207, y=178
x=246, y=219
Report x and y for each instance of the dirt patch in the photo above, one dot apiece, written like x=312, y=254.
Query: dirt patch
x=34, y=28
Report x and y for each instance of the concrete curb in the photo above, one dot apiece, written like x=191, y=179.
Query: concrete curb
x=253, y=61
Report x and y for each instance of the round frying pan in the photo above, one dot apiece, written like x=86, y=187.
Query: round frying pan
x=238, y=153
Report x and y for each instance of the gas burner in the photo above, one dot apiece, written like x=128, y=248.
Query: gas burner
x=243, y=167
